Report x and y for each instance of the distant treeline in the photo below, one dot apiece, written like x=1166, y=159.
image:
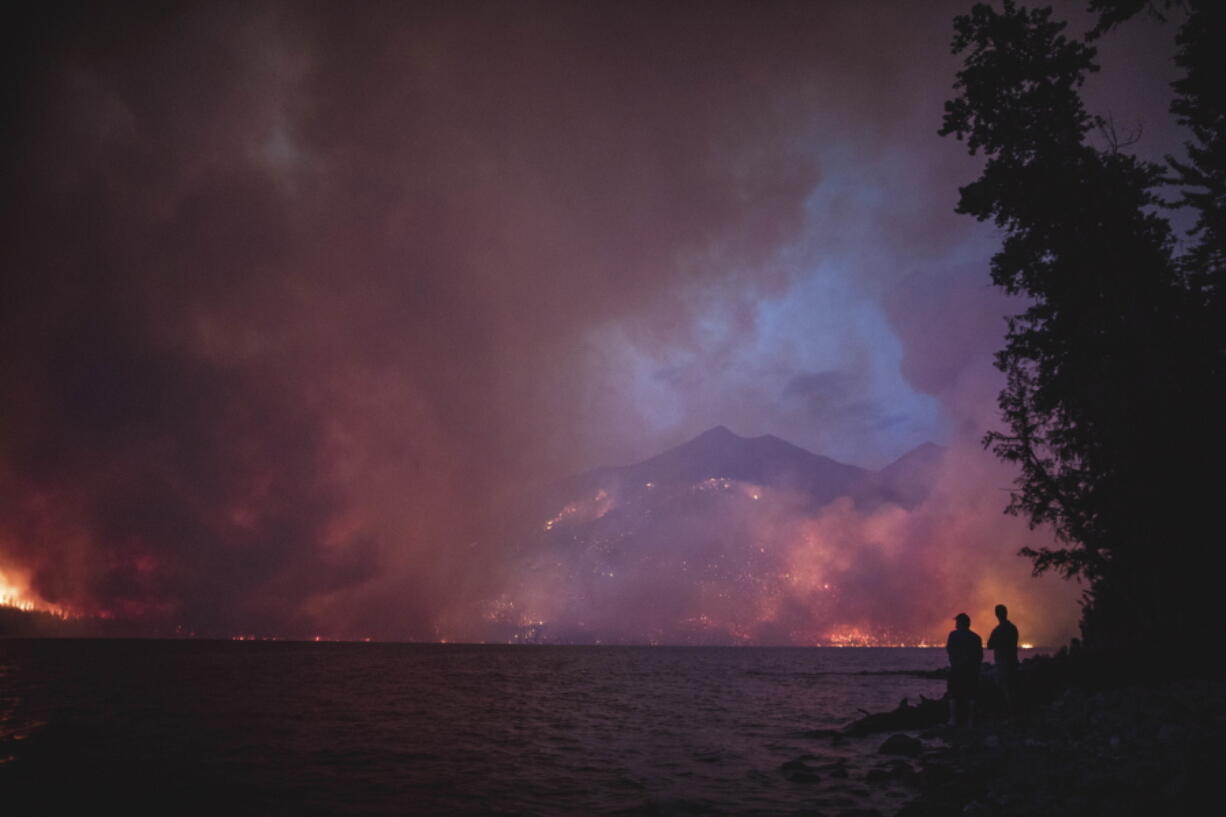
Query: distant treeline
x=15, y=621
x=18, y=623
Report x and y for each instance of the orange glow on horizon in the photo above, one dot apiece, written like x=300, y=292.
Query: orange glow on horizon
x=860, y=637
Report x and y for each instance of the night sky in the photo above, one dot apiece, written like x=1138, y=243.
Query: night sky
x=300, y=299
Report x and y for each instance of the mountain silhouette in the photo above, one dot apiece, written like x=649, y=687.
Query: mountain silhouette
x=686, y=545
x=718, y=453
x=766, y=461
x=908, y=479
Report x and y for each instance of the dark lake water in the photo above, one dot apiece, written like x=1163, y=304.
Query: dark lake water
x=268, y=728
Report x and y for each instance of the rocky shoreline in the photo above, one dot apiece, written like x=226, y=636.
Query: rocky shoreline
x=1091, y=740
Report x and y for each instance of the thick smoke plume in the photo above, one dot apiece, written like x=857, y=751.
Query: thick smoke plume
x=299, y=299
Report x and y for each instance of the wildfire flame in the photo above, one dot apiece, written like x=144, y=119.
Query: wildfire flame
x=858, y=637
x=16, y=594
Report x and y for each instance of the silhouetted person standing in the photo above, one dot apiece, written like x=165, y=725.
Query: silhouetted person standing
x=1003, y=643
x=965, y=649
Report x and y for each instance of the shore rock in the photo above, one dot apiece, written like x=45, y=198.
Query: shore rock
x=899, y=744
x=798, y=771
x=926, y=714
x=1139, y=750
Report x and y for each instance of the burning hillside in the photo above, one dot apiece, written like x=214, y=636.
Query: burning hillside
x=734, y=540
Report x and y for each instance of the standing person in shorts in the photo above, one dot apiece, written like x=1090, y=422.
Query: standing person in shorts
x=965, y=649
x=1003, y=643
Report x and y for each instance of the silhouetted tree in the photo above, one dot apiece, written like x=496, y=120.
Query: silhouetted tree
x=1109, y=396
x=1200, y=106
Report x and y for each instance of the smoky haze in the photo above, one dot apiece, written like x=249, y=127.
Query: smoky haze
x=302, y=300
x=733, y=540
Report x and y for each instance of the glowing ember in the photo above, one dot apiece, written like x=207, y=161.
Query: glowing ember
x=857, y=637
x=583, y=510
x=851, y=637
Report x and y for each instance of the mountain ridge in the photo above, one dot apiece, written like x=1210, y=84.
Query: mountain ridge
x=719, y=539
x=719, y=453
